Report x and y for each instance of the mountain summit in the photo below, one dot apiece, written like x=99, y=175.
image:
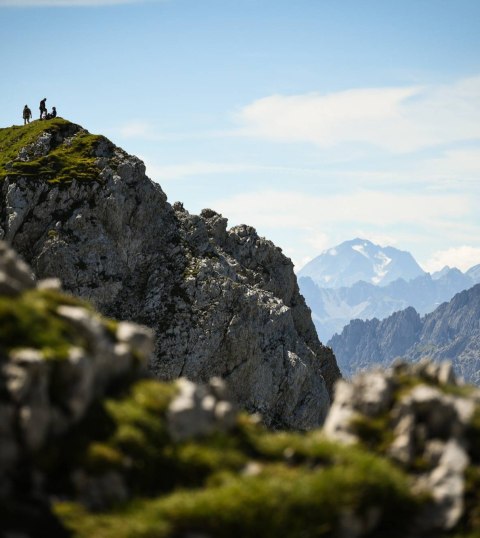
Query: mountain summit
x=360, y=260
x=222, y=301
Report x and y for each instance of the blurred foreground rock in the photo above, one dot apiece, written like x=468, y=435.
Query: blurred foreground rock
x=421, y=416
x=93, y=446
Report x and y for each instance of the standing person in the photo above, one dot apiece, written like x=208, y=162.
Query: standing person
x=27, y=114
x=43, y=108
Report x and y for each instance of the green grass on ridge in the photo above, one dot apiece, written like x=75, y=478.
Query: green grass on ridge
x=64, y=162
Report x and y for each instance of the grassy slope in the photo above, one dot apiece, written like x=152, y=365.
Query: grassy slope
x=304, y=496
x=72, y=160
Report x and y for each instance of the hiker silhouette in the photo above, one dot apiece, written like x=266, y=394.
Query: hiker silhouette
x=27, y=114
x=43, y=108
x=52, y=114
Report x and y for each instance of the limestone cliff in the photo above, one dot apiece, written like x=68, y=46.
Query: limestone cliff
x=221, y=301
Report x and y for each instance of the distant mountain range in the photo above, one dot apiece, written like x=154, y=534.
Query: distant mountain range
x=451, y=331
x=360, y=280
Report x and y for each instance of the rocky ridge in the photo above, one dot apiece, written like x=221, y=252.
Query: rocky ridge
x=91, y=445
x=222, y=301
x=450, y=332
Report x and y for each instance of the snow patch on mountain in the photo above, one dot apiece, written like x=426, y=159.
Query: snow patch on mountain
x=361, y=249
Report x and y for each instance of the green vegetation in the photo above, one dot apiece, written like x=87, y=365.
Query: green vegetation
x=68, y=159
x=375, y=433
x=247, y=482
x=125, y=433
x=305, y=497
x=30, y=320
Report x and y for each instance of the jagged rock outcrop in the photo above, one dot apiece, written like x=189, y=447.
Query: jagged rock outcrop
x=452, y=331
x=222, y=302
x=421, y=417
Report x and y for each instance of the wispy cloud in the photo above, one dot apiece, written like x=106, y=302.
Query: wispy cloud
x=455, y=165
x=292, y=209
x=68, y=3
x=193, y=169
x=136, y=129
x=400, y=119
x=463, y=257
x=318, y=222
x=201, y=168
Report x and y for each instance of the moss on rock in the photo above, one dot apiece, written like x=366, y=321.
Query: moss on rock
x=281, y=500
x=31, y=321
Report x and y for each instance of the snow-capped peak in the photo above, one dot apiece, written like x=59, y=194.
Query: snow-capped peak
x=360, y=259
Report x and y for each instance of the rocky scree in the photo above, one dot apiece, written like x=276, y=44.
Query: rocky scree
x=223, y=302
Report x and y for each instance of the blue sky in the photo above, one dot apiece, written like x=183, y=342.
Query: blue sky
x=314, y=121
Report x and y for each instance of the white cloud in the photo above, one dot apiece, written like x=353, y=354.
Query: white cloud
x=295, y=210
x=455, y=165
x=304, y=225
x=66, y=3
x=136, y=129
x=397, y=119
x=318, y=240
x=300, y=263
x=193, y=169
x=197, y=168
x=462, y=257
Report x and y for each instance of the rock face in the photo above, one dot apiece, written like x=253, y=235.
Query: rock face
x=362, y=343
x=452, y=331
x=222, y=302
